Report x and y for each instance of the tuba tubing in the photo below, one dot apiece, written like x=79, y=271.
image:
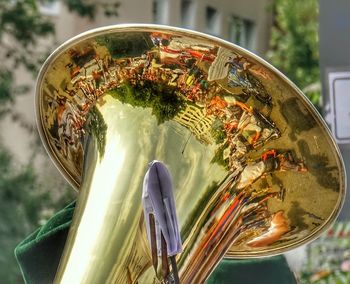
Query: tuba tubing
x=254, y=169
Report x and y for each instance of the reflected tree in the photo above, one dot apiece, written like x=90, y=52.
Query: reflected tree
x=162, y=99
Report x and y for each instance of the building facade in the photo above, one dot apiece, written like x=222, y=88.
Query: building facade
x=244, y=22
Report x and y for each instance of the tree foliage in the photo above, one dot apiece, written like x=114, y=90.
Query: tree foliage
x=24, y=203
x=294, y=44
x=97, y=127
x=88, y=8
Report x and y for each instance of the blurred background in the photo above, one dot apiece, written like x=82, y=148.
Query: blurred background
x=303, y=39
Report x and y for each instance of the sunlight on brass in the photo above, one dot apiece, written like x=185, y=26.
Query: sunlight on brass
x=254, y=167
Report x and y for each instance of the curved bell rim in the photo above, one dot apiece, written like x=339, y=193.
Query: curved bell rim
x=251, y=158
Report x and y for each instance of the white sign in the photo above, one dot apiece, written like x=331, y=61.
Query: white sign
x=339, y=93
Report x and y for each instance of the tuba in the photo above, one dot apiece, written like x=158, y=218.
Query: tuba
x=254, y=169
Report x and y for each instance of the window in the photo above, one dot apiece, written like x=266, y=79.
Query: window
x=212, y=20
x=241, y=32
x=187, y=13
x=159, y=11
x=248, y=33
x=50, y=8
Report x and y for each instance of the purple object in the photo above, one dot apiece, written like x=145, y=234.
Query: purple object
x=158, y=199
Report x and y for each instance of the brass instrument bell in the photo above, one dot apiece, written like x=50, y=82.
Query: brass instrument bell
x=254, y=168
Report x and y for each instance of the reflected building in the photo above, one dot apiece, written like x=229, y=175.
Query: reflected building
x=194, y=118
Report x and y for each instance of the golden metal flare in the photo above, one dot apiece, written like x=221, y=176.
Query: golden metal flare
x=254, y=167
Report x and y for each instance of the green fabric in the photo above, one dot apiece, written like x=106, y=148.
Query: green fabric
x=39, y=254
x=38, y=257
x=270, y=270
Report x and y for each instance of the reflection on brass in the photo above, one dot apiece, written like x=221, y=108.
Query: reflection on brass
x=255, y=170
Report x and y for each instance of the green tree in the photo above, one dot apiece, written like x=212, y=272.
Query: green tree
x=23, y=206
x=24, y=201
x=294, y=44
x=97, y=127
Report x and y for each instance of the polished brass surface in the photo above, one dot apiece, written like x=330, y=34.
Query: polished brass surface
x=254, y=167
